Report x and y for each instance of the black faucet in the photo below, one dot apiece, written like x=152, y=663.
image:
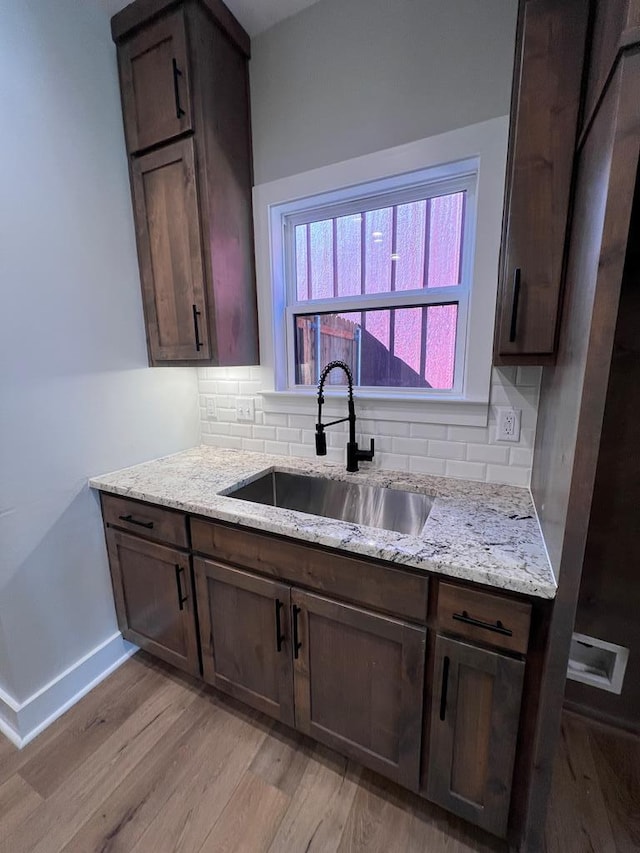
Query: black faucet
x=354, y=455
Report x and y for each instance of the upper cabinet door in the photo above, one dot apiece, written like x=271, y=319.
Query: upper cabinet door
x=154, y=78
x=170, y=253
x=358, y=680
x=544, y=117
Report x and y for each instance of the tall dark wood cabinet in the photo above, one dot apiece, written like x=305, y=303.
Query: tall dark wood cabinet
x=545, y=107
x=185, y=101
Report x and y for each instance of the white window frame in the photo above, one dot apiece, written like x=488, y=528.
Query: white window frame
x=416, y=186
x=479, y=148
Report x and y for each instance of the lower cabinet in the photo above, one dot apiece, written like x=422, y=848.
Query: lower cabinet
x=359, y=684
x=475, y=712
x=245, y=637
x=154, y=598
x=357, y=677
x=347, y=676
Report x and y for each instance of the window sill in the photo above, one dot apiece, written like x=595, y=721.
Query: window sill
x=456, y=411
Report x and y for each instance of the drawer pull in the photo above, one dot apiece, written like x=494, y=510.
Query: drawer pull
x=131, y=520
x=176, y=90
x=497, y=627
x=297, y=645
x=280, y=638
x=196, y=329
x=181, y=598
x=445, y=687
x=513, y=329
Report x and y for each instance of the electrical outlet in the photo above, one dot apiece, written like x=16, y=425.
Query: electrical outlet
x=508, y=428
x=245, y=409
x=211, y=408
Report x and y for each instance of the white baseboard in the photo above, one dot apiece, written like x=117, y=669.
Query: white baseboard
x=22, y=722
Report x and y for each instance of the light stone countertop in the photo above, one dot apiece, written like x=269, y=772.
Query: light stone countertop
x=479, y=532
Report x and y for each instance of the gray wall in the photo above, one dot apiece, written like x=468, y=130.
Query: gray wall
x=77, y=397
x=348, y=77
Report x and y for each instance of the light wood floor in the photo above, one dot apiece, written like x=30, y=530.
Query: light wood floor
x=150, y=762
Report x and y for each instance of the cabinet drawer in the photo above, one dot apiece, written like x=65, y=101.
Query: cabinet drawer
x=369, y=584
x=492, y=619
x=152, y=522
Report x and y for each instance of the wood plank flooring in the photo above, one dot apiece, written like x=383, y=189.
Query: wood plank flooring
x=153, y=762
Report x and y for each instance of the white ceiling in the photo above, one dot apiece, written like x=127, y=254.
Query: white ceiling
x=254, y=15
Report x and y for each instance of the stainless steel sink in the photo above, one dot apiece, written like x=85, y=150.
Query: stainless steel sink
x=390, y=509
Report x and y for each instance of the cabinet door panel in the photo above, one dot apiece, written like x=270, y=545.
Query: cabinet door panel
x=544, y=120
x=474, y=730
x=358, y=684
x=169, y=247
x=243, y=652
x=154, y=598
x=154, y=78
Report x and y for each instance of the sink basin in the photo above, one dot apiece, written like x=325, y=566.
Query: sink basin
x=389, y=509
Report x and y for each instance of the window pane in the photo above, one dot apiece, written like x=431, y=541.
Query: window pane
x=396, y=347
x=445, y=240
x=321, y=253
x=378, y=245
x=349, y=254
x=410, y=240
x=405, y=247
x=302, y=282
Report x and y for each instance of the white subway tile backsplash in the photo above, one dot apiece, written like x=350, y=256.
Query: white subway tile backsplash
x=508, y=474
x=410, y=446
x=438, y=449
x=427, y=431
x=392, y=461
x=288, y=434
x=521, y=456
x=427, y=465
x=447, y=449
x=487, y=453
x=465, y=470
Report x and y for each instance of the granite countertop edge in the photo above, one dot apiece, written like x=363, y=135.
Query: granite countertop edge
x=478, y=532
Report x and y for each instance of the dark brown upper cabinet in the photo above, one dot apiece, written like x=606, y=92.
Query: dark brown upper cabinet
x=545, y=107
x=185, y=100
x=171, y=263
x=154, y=76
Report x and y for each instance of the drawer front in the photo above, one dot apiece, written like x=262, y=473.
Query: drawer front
x=492, y=619
x=359, y=581
x=148, y=520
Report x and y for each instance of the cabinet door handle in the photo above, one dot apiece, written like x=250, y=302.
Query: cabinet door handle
x=514, y=307
x=176, y=89
x=196, y=330
x=497, y=626
x=131, y=520
x=297, y=645
x=280, y=638
x=181, y=598
x=445, y=686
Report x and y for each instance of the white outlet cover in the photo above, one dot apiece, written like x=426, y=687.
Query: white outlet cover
x=211, y=407
x=508, y=428
x=245, y=409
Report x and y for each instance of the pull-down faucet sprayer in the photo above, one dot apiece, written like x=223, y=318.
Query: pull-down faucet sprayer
x=354, y=454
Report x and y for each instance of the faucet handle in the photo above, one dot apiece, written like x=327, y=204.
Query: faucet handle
x=366, y=455
x=321, y=441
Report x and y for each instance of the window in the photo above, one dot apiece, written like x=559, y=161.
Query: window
x=382, y=282
x=401, y=321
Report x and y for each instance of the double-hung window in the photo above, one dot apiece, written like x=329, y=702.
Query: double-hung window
x=381, y=280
